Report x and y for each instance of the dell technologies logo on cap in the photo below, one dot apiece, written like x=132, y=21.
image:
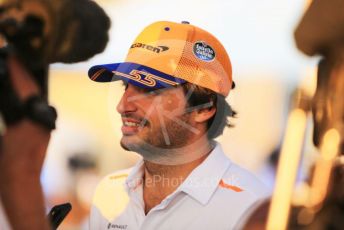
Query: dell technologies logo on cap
x=156, y=49
x=203, y=51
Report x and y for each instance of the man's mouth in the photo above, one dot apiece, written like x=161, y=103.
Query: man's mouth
x=132, y=126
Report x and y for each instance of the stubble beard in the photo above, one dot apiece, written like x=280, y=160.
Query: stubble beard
x=162, y=142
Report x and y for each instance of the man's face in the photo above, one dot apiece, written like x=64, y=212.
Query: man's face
x=155, y=121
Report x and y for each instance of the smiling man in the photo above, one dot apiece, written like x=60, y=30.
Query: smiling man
x=176, y=78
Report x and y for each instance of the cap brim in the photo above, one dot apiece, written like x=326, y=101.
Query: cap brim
x=136, y=74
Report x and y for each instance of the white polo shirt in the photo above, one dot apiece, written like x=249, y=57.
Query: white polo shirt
x=215, y=195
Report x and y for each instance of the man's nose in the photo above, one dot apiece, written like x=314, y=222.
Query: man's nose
x=127, y=104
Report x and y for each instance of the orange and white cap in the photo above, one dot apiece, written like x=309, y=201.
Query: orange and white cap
x=168, y=54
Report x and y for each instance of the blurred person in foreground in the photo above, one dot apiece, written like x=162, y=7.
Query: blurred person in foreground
x=176, y=77
x=22, y=151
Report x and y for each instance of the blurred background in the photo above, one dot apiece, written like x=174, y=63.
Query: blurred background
x=267, y=69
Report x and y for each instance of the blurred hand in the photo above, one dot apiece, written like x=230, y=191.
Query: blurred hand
x=24, y=141
x=22, y=152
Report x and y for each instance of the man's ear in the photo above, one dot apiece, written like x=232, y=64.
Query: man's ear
x=202, y=115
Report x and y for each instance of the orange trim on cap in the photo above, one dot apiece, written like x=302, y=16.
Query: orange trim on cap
x=97, y=74
x=144, y=78
x=134, y=75
x=231, y=187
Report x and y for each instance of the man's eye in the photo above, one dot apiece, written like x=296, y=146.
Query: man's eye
x=147, y=90
x=155, y=91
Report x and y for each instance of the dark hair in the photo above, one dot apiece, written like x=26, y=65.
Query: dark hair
x=199, y=97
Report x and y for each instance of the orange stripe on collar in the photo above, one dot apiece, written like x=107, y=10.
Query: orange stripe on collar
x=231, y=187
x=118, y=176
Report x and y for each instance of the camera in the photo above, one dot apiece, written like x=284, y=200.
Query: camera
x=41, y=32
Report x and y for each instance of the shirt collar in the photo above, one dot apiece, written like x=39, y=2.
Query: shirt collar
x=204, y=179
x=135, y=176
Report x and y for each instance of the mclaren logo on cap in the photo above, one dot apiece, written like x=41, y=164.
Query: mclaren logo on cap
x=203, y=51
x=156, y=49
